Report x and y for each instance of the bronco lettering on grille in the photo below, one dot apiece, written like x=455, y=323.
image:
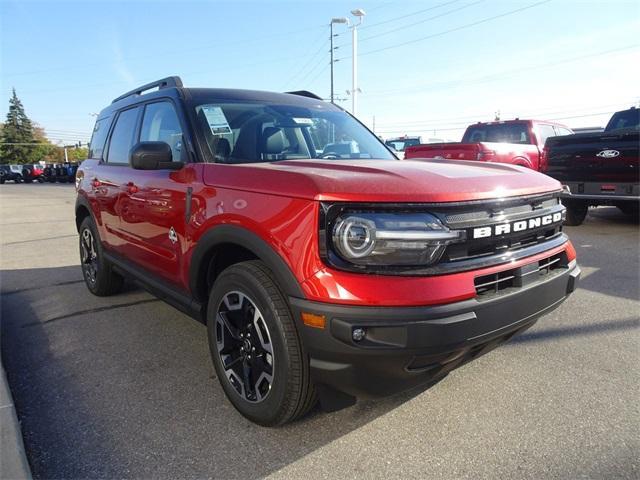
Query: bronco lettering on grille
x=519, y=226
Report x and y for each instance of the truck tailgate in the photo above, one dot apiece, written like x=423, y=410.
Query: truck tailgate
x=596, y=158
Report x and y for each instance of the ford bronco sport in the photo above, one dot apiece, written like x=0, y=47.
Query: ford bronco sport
x=322, y=266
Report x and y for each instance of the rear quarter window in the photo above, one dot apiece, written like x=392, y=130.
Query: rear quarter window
x=99, y=137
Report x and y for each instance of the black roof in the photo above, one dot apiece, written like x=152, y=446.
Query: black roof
x=172, y=87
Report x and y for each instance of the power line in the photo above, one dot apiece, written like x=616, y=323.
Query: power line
x=499, y=75
x=319, y=73
x=309, y=62
x=436, y=129
x=373, y=25
x=451, y=30
x=435, y=123
x=402, y=27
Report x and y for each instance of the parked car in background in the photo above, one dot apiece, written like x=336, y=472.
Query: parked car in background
x=32, y=173
x=399, y=144
x=599, y=168
x=322, y=269
x=11, y=173
x=60, y=172
x=517, y=142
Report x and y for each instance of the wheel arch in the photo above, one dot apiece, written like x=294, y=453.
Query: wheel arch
x=225, y=245
x=83, y=210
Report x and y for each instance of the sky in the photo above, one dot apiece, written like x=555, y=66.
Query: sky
x=425, y=67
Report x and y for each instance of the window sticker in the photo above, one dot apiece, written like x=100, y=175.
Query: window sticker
x=216, y=119
x=303, y=120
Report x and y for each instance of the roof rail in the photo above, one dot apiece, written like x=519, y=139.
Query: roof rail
x=174, y=81
x=305, y=93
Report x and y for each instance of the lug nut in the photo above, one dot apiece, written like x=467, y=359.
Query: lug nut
x=358, y=334
x=253, y=349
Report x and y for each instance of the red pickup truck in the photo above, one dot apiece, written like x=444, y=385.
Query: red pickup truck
x=518, y=142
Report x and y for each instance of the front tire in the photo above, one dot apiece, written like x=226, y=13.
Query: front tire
x=576, y=213
x=255, y=347
x=98, y=273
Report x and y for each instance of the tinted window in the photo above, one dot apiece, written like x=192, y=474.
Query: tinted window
x=497, y=132
x=563, y=131
x=401, y=145
x=99, y=137
x=625, y=119
x=122, y=137
x=544, y=132
x=161, y=124
x=256, y=132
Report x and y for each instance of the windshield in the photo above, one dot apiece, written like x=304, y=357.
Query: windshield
x=401, y=145
x=256, y=132
x=626, y=119
x=498, y=132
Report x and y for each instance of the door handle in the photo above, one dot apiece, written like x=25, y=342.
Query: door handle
x=132, y=188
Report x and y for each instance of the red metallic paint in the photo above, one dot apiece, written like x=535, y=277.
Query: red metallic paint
x=279, y=202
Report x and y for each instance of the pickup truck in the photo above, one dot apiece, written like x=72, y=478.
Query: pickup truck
x=599, y=168
x=321, y=271
x=517, y=142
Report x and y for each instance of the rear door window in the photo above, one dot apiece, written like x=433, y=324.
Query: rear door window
x=544, y=132
x=122, y=138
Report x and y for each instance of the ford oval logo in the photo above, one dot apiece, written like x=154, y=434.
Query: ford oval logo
x=608, y=153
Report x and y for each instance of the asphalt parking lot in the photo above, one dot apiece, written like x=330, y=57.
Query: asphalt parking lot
x=124, y=386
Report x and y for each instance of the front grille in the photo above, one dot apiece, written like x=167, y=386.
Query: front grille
x=492, y=214
x=509, y=280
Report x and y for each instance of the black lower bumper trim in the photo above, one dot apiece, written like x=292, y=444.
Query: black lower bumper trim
x=407, y=346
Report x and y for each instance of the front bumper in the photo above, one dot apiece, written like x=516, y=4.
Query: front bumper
x=408, y=346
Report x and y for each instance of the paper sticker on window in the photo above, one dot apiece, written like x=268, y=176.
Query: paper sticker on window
x=216, y=120
x=303, y=121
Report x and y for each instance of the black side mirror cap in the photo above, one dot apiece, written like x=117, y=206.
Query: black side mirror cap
x=153, y=156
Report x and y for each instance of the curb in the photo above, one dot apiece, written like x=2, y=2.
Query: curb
x=13, y=461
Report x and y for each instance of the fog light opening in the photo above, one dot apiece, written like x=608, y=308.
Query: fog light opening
x=358, y=334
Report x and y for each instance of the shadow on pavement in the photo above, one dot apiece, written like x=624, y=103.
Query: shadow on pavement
x=124, y=387
x=631, y=323
x=609, y=243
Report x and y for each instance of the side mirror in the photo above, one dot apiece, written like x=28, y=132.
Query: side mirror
x=153, y=156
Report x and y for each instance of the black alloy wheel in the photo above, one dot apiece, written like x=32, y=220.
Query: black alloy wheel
x=89, y=256
x=98, y=273
x=244, y=345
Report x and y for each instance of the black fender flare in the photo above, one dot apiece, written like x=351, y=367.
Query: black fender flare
x=242, y=237
x=82, y=201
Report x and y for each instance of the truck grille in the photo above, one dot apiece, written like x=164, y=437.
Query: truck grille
x=493, y=214
x=508, y=280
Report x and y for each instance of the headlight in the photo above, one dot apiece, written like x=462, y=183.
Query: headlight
x=387, y=239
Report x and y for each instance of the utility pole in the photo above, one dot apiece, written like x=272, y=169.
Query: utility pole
x=359, y=13
x=331, y=35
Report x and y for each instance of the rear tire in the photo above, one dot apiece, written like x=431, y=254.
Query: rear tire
x=98, y=273
x=576, y=213
x=266, y=377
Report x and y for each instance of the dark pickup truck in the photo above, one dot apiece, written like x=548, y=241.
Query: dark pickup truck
x=598, y=168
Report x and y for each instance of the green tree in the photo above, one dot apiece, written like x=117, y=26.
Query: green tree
x=16, y=132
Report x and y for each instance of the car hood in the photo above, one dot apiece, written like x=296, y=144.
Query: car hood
x=381, y=180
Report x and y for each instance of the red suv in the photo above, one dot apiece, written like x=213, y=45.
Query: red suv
x=322, y=266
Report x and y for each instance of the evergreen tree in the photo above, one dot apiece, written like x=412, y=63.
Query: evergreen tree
x=17, y=129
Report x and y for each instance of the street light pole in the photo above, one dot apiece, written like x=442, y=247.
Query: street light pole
x=331, y=46
x=334, y=20
x=359, y=13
